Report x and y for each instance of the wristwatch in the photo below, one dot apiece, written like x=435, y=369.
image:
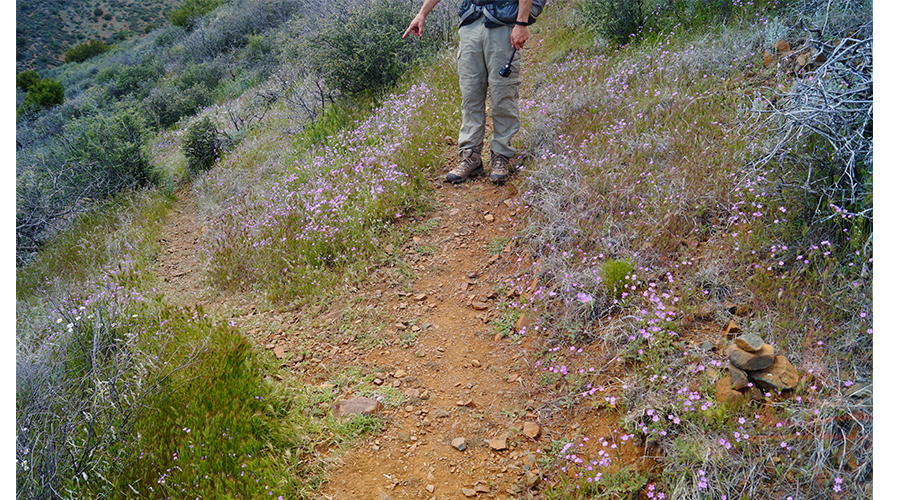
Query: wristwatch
x=521, y=23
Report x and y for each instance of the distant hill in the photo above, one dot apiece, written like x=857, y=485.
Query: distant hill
x=45, y=29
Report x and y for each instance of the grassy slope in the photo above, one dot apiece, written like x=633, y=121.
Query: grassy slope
x=640, y=156
x=653, y=130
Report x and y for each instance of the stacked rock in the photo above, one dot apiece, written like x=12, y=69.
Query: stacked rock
x=751, y=359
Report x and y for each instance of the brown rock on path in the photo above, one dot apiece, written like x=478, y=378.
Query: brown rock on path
x=751, y=361
x=781, y=375
x=499, y=443
x=782, y=46
x=750, y=342
x=737, y=377
x=358, y=406
x=531, y=429
x=731, y=329
x=725, y=394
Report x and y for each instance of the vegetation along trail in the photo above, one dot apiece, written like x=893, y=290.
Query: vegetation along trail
x=242, y=275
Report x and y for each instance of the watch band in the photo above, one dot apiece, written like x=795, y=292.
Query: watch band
x=521, y=23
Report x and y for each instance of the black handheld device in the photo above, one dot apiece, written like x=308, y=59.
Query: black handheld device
x=506, y=70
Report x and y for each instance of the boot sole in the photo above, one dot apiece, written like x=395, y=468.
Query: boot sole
x=474, y=173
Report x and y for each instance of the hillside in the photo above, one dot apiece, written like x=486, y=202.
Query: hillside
x=45, y=29
x=279, y=296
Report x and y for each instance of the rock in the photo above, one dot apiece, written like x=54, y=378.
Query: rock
x=531, y=429
x=429, y=488
x=489, y=218
x=751, y=361
x=468, y=492
x=412, y=393
x=476, y=363
x=532, y=478
x=459, y=443
x=358, y=406
x=278, y=351
x=441, y=413
x=780, y=375
x=725, y=394
x=731, y=329
x=499, y=443
x=479, y=305
x=525, y=320
x=468, y=403
x=420, y=297
x=389, y=249
x=782, y=46
x=707, y=345
x=737, y=377
x=378, y=381
x=400, y=374
x=768, y=59
x=482, y=488
x=750, y=342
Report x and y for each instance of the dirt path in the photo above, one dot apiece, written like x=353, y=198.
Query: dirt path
x=437, y=344
x=180, y=271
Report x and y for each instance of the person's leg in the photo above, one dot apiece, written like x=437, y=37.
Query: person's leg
x=504, y=100
x=473, y=80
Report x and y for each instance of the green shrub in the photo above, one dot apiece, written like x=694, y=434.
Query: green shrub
x=45, y=93
x=205, y=75
x=616, y=20
x=364, y=51
x=190, y=11
x=98, y=12
x=85, y=51
x=26, y=79
x=109, y=150
x=166, y=105
x=137, y=79
x=202, y=145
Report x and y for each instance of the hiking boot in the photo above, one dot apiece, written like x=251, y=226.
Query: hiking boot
x=469, y=165
x=499, y=168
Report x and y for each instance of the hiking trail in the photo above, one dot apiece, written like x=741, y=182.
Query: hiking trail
x=459, y=374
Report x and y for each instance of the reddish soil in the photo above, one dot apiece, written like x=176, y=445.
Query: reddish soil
x=463, y=377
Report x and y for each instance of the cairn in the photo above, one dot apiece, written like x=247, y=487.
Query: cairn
x=753, y=364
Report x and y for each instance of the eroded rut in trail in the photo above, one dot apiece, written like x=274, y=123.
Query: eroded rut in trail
x=438, y=346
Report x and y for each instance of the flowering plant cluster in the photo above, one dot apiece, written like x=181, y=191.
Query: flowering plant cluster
x=321, y=208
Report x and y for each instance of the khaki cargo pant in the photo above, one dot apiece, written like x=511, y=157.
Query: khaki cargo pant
x=482, y=53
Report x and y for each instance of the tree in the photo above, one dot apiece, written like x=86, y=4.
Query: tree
x=26, y=79
x=44, y=94
x=86, y=50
